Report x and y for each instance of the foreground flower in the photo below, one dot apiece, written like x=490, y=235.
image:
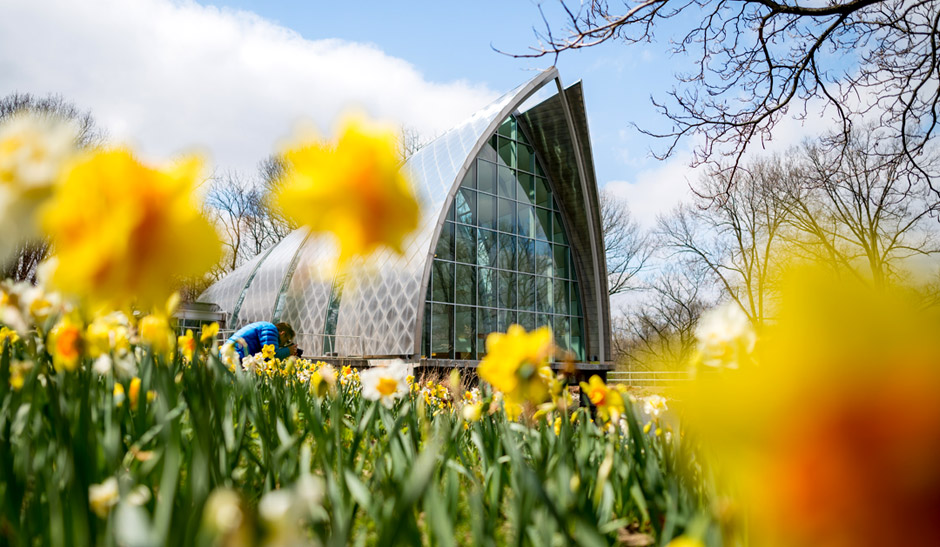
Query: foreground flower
x=33, y=150
x=8, y=335
x=607, y=400
x=65, y=344
x=155, y=331
x=102, y=497
x=514, y=361
x=124, y=231
x=353, y=189
x=385, y=384
x=187, y=345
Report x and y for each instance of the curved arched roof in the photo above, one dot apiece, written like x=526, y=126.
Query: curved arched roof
x=381, y=309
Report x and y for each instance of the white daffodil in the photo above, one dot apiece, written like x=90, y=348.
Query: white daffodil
x=385, y=384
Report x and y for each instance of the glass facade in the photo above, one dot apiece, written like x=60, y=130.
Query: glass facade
x=502, y=257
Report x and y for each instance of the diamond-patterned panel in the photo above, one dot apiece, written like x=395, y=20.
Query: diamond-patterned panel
x=308, y=294
x=264, y=288
x=226, y=291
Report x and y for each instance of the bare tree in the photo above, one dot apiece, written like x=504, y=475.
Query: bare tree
x=736, y=238
x=626, y=246
x=861, y=209
x=27, y=257
x=755, y=60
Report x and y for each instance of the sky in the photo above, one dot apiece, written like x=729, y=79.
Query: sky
x=233, y=78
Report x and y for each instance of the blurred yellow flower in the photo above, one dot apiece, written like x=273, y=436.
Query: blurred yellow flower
x=858, y=465
x=33, y=150
x=18, y=371
x=133, y=393
x=608, y=402
x=106, y=333
x=472, y=411
x=118, y=394
x=8, y=335
x=209, y=332
x=102, y=497
x=726, y=337
x=187, y=345
x=353, y=189
x=155, y=331
x=125, y=232
x=513, y=364
x=65, y=344
x=685, y=541
x=268, y=351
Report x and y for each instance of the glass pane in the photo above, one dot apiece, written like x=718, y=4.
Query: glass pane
x=542, y=194
x=470, y=179
x=561, y=261
x=466, y=285
x=443, y=281
x=544, y=294
x=543, y=258
x=489, y=152
x=526, y=255
x=576, y=341
x=487, y=248
x=486, y=211
x=507, y=183
x=574, y=299
x=442, y=331
x=543, y=320
x=450, y=213
x=561, y=334
x=506, y=318
x=426, y=333
x=526, y=292
x=538, y=169
x=507, y=215
x=526, y=220
x=526, y=187
x=527, y=320
x=445, y=243
x=486, y=176
x=507, y=289
x=507, y=252
x=508, y=128
x=467, y=206
x=465, y=333
x=486, y=324
x=559, y=228
x=466, y=244
x=507, y=152
x=543, y=219
x=486, y=289
x=561, y=296
x=525, y=157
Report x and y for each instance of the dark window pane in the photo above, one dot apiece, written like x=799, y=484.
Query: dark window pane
x=442, y=331
x=543, y=196
x=464, y=333
x=543, y=258
x=486, y=324
x=466, y=206
x=538, y=169
x=543, y=221
x=559, y=228
x=507, y=289
x=489, y=151
x=486, y=176
x=486, y=211
x=445, y=243
x=507, y=183
x=561, y=333
x=507, y=152
x=486, y=289
x=526, y=220
x=508, y=128
x=544, y=294
x=526, y=249
x=527, y=320
x=506, y=318
x=543, y=320
x=426, y=334
x=524, y=156
x=561, y=261
x=576, y=339
x=507, y=252
x=450, y=213
x=526, y=187
x=507, y=215
x=526, y=292
x=574, y=299
x=443, y=281
x=466, y=244
x=561, y=296
x=487, y=248
x=466, y=285
x=470, y=179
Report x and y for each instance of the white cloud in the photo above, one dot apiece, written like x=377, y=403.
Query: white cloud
x=168, y=76
x=656, y=191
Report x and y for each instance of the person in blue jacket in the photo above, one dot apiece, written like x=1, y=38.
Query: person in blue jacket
x=249, y=339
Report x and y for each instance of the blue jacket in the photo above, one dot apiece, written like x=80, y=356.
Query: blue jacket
x=249, y=339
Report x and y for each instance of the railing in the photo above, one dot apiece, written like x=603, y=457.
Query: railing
x=648, y=377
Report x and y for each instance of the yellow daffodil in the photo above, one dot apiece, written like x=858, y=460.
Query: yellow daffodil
x=209, y=332
x=8, y=335
x=18, y=371
x=119, y=395
x=472, y=412
x=353, y=189
x=187, y=345
x=133, y=393
x=268, y=351
x=607, y=400
x=514, y=363
x=155, y=331
x=124, y=231
x=66, y=344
